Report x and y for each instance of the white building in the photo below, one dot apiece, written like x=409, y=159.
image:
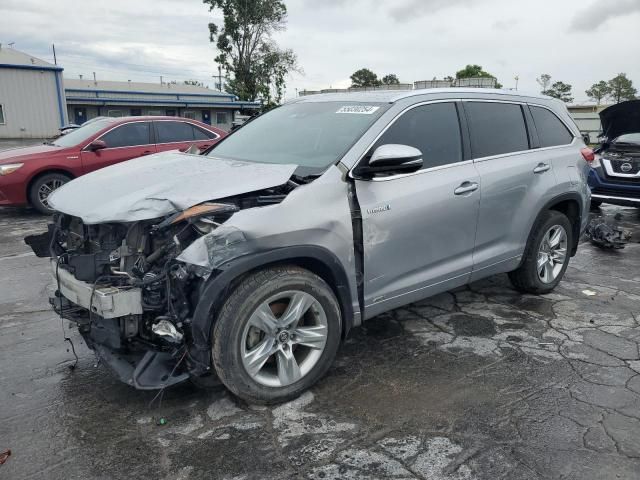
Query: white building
x=32, y=103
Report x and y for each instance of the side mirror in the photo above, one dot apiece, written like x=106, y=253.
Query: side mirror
x=97, y=145
x=391, y=158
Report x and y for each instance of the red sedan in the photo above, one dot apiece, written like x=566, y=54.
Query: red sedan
x=29, y=174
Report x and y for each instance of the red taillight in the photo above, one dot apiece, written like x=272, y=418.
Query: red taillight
x=588, y=155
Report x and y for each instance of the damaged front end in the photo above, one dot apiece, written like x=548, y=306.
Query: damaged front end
x=131, y=297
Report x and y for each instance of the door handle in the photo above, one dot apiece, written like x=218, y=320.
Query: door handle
x=466, y=187
x=541, y=168
x=146, y=152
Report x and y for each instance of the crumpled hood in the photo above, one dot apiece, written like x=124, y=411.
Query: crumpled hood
x=620, y=119
x=161, y=184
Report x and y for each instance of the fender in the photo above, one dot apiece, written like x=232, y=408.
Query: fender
x=577, y=228
x=217, y=288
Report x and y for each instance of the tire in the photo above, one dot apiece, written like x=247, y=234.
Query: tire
x=528, y=277
x=52, y=181
x=245, y=334
x=595, y=203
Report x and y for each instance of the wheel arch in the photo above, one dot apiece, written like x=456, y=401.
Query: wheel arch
x=571, y=205
x=316, y=259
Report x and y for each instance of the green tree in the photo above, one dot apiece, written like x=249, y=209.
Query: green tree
x=622, y=88
x=391, y=79
x=599, y=91
x=364, y=78
x=544, y=81
x=476, y=71
x=247, y=51
x=559, y=90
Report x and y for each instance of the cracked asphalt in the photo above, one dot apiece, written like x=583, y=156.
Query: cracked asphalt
x=478, y=383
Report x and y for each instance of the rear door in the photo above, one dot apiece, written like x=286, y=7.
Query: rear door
x=180, y=135
x=419, y=228
x=124, y=142
x=516, y=182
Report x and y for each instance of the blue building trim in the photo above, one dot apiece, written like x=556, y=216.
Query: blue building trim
x=130, y=101
x=59, y=95
x=126, y=92
x=30, y=67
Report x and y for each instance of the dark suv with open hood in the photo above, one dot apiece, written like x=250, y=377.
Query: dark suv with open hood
x=615, y=172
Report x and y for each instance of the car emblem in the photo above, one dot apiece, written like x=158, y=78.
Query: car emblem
x=626, y=167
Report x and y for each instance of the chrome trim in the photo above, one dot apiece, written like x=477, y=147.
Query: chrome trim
x=610, y=197
x=606, y=163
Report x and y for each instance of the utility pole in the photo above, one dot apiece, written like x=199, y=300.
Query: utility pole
x=55, y=60
x=516, y=78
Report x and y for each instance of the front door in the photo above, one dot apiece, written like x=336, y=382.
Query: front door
x=206, y=117
x=79, y=115
x=127, y=141
x=419, y=228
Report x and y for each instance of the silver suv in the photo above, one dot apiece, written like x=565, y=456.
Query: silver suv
x=250, y=263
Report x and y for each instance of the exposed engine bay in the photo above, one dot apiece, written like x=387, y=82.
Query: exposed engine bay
x=122, y=284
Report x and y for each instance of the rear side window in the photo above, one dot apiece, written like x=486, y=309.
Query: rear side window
x=496, y=128
x=551, y=131
x=169, y=132
x=128, y=135
x=433, y=129
x=201, y=134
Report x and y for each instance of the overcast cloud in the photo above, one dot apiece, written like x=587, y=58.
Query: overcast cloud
x=574, y=41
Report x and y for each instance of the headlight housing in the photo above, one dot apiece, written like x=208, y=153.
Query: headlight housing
x=9, y=168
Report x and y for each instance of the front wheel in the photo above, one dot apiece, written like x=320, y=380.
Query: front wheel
x=276, y=335
x=546, y=256
x=44, y=186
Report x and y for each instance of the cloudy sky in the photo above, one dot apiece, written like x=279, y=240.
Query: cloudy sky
x=576, y=41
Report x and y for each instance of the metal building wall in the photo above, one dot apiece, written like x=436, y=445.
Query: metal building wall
x=31, y=101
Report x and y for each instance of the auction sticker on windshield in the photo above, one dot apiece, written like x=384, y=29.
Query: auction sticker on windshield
x=358, y=109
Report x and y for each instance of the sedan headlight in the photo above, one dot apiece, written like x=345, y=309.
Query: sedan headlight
x=9, y=168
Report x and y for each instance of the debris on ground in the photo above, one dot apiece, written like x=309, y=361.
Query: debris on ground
x=161, y=421
x=589, y=293
x=607, y=236
x=4, y=456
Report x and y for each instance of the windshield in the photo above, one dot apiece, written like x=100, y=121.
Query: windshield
x=81, y=134
x=628, y=138
x=308, y=134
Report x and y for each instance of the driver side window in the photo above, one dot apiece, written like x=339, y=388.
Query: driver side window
x=128, y=135
x=434, y=129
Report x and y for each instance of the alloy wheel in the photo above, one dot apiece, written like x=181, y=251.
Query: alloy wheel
x=47, y=189
x=284, y=338
x=552, y=254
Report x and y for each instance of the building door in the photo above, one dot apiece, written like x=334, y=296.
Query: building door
x=206, y=117
x=79, y=115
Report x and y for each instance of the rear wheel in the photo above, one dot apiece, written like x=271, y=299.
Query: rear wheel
x=546, y=256
x=276, y=335
x=44, y=186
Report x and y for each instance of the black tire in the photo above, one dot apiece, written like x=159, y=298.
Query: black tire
x=595, y=203
x=525, y=278
x=229, y=330
x=58, y=179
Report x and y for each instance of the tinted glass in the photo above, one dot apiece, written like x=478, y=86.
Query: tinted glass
x=433, y=129
x=174, y=132
x=82, y=134
x=128, y=135
x=496, y=128
x=551, y=131
x=201, y=134
x=312, y=135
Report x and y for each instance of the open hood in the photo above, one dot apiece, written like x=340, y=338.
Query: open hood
x=161, y=184
x=621, y=119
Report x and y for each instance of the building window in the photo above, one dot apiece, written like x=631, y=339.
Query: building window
x=114, y=113
x=156, y=113
x=221, y=118
x=2, y=122
x=136, y=112
x=189, y=114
